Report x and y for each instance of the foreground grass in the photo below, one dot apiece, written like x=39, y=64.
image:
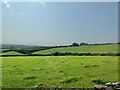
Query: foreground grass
x=111, y=48
x=65, y=72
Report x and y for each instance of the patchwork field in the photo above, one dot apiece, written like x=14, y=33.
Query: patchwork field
x=59, y=71
x=112, y=48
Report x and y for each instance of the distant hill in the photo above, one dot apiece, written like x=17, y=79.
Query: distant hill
x=24, y=49
x=9, y=46
x=44, y=50
x=110, y=48
x=12, y=53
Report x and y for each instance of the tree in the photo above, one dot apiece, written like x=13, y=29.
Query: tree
x=81, y=44
x=56, y=54
x=75, y=44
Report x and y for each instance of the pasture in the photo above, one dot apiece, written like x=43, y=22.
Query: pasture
x=58, y=71
x=111, y=48
x=11, y=53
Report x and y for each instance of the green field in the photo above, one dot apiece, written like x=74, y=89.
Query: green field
x=112, y=48
x=3, y=50
x=62, y=71
x=11, y=53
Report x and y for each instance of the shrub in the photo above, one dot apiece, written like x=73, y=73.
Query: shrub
x=56, y=54
x=82, y=44
x=75, y=44
x=98, y=81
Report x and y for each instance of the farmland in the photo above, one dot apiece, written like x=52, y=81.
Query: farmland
x=12, y=53
x=112, y=48
x=59, y=44
x=67, y=50
x=61, y=72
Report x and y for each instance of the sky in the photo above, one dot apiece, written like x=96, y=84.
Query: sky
x=59, y=23
x=0, y=24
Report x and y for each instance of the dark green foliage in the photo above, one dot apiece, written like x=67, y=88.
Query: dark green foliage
x=98, y=81
x=25, y=53
x=75, y=44
x=82, y=44
x=55, y=54
x=29, y=78
x=6, y=51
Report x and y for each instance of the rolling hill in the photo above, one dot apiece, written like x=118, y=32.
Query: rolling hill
x=12, y=53
x=110, y=48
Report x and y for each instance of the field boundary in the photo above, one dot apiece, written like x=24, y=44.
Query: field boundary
x=67, y=54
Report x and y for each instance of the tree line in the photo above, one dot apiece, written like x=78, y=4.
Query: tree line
x=70, y=54
x=40, y=48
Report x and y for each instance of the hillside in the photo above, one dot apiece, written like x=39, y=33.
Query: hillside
x=12, y=53
x=111, y=48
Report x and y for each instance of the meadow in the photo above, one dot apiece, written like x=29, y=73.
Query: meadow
x=58, y=71
x=11, y=53
x=111, y=48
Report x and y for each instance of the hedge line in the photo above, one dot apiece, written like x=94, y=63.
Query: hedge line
x=68, y=54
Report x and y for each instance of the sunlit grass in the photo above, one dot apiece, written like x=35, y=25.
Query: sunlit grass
x=62, y=71
x=112, y=48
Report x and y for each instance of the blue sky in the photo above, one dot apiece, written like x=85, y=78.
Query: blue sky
x=60, y=23
x=0, y=24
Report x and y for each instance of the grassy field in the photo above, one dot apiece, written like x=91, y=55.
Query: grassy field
x=3, y=50
x=52, y=71
x=11, y=53
x=112, y=48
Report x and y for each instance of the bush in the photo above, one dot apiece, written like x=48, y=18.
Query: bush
x=56, y=54
x=98, y=81
x=82, y=44
x=75, y=44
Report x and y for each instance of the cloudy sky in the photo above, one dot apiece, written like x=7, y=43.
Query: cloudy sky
x=59, y=23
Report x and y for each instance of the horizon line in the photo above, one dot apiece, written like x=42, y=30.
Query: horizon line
x=58, y=45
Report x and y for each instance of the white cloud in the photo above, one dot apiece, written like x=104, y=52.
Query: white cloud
x=5, y=2
x=8, y=6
